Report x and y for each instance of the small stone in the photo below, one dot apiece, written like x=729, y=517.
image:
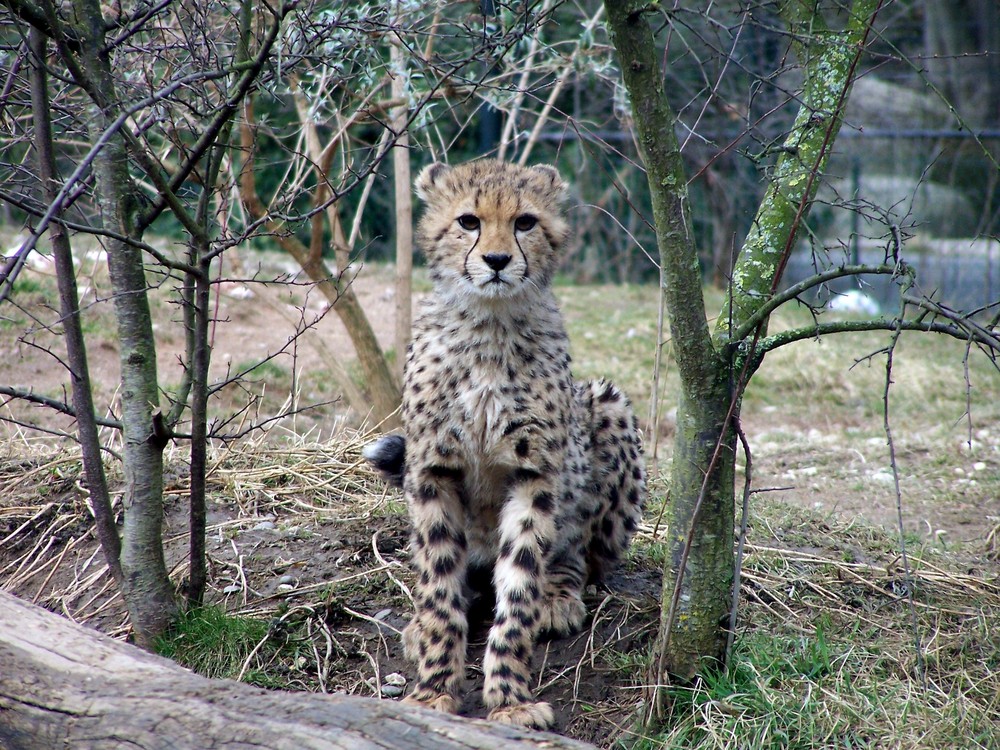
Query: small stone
x=264, y=526
x=381, y=615
x=395, y=679
x=232, y=588
x=391, y=691
x=285, y=587
x=287, y=580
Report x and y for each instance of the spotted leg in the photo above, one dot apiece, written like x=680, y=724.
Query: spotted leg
x=619, y=481
x=563, y=610
x=526, y=532
x=436, y=637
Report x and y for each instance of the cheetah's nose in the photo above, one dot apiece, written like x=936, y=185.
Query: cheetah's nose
x=496, y=261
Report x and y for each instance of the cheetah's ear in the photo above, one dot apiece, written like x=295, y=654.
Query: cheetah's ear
x=429, y=180
x=551, y=175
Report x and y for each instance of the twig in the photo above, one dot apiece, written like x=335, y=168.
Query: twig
x=921, y=669
x=741, y=546
x=53, y=403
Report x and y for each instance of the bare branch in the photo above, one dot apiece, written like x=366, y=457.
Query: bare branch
x=53, y=403
x=907, y=572
x=989, y=340
x=792, y=292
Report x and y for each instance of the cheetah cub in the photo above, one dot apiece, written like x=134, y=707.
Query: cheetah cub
x=507, y=464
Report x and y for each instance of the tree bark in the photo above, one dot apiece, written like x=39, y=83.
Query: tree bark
x=64, y=685
x=146, y=585
x=828, y=59
x=697, y=576
x=404, y=212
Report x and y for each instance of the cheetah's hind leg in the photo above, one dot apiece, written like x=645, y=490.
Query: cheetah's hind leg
x=620, y=478
x=563, y=610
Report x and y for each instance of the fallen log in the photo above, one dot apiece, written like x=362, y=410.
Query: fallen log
x=65, y=685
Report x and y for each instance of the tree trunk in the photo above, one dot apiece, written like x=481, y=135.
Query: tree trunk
x=695, y=617
x=69, y=302
x=404, y=214
x=199, y=297
x=698, y=575
x=64, y=685
x=146, y=587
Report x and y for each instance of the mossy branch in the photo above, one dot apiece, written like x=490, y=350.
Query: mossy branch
x=829, y=60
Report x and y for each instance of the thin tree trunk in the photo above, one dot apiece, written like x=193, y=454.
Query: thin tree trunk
x=694, y=620
x=404, y=215
x=146, y=585
x=198, y=299
x=695, y=601
x=200, y=356
x=76, y=350
x=382, y=388
x=698, y=574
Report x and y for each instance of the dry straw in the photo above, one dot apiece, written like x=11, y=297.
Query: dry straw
x=843, y=573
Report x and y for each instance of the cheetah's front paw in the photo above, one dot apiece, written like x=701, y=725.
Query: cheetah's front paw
x=446, y=704
x=562, y=615
x=531, y=715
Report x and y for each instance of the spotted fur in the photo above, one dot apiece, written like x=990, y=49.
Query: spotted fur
x=507, y=464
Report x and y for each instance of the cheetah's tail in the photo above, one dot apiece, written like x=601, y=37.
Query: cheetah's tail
x=388, y=456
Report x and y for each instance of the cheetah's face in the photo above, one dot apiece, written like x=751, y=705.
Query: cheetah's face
x=491, y=229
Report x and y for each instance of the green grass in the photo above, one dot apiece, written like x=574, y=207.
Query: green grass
x=216, y=644
x=837, y=687
x=825, y=656
x=613, y=334
x=268, y=370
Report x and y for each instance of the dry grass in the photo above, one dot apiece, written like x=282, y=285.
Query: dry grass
x=830, y=655
x=827, y=655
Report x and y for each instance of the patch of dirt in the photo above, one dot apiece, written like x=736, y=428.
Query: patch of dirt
x=275, y=319
x=332, y=563
x=948, y=492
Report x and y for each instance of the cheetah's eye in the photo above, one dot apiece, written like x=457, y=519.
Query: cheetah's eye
x=468, y=222
x=525, y=222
